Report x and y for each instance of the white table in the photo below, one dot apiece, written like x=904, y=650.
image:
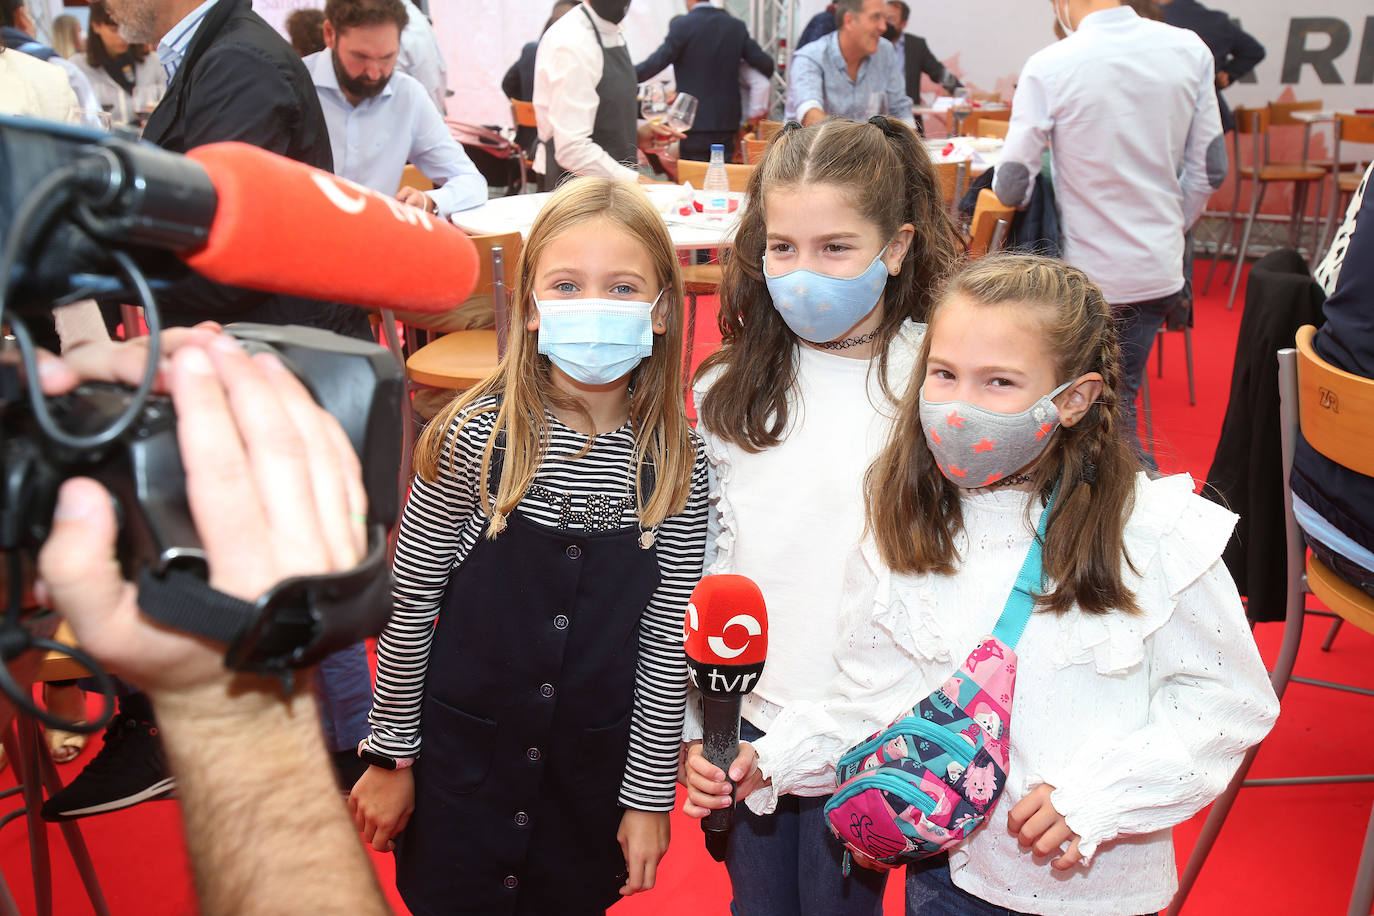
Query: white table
x=982, y=153
x=516, y=213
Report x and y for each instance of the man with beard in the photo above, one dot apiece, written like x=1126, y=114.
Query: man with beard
x=846, y=72
x=379, y=118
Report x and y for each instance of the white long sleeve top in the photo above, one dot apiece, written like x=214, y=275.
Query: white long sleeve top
x=788, y=516
x=1138, y=721
x=567, y=68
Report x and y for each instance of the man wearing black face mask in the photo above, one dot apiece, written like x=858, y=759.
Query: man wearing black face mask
x=584, y=97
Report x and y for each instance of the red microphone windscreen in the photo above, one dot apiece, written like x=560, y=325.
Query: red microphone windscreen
x=727, y=623
x=284, y=227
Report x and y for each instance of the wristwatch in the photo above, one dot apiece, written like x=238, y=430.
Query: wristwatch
x=378, y=759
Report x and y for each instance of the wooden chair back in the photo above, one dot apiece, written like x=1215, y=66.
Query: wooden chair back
x=1335, y=408
x=522, y=113
x=995, y=129
x=986, y=214
x=1281, y=113
x=769, y=129
x=977, y=117
x=1355, y=128
x=753, y=150
x=953, y=180
x=694, y=171
x=412, y=177
x=1251, y=120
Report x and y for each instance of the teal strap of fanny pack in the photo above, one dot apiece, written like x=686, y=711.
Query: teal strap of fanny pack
x=1030, y=583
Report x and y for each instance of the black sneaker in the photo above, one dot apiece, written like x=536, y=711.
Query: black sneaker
x=129, y=769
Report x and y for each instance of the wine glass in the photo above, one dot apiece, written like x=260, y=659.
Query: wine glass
x=682, y=114
x=961, y=108
x=653, y=104
x=96, y=120
x=146, y=98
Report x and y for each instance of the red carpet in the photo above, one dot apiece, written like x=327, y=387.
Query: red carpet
x=1283, y=850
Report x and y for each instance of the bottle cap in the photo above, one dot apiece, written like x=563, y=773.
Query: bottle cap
x=717, y=146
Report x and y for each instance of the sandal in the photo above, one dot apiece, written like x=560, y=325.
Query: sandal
x=67, y=703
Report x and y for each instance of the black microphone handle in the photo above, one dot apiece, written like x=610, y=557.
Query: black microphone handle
x=720, y=745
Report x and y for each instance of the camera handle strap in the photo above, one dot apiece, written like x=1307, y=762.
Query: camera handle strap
x=292, y=625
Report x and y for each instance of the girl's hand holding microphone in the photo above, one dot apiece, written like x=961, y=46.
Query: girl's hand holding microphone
x=707, y=787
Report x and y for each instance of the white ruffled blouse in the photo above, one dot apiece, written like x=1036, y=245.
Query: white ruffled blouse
x=1139, y=721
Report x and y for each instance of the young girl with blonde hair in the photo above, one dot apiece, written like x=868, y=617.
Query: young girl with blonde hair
x=556, y=529
x=1138, y=686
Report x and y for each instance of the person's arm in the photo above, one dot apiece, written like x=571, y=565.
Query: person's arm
x=460, y=186
x=1204, y=156
x=569, y=89
x=933, y=68
x=899, y=104
x=664, y=55
x=754, y=90
x=1246, y=53
x=1031, y=123
x=806, y=89
x=1210, y=700
x=273, y=487
x=758, y=58
x=510, y=83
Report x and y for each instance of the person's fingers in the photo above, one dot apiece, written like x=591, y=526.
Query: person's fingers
x=54, y=375
x=77, y=564
x=325, y=476
x=698, y=765
x=634, y=863
x=1021, y=812
x=650, y=873
x=381, y=840
x=1053, y=838
x=1069, y=859
x=220, y=487
x=694, y=810
x=743, y=764
x=1036, y=825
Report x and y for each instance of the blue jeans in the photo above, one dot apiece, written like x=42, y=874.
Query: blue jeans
x=343, y=688
x=788, y=864
x=1136, y=326
x=930, y=892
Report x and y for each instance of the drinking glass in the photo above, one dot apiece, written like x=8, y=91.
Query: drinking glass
x=877, y=104
x=653, y=104
x=961, y=108
x=146, y=98
x=98, y=120
x=682, y=114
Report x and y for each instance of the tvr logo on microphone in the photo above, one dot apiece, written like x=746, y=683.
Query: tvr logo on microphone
x=732, y=660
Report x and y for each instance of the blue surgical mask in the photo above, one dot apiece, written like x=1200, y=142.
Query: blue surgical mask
x=596, y=341
x=819, y=307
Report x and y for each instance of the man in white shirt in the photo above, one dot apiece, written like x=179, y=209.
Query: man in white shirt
x=378, y=118
x=1128, y=108
x=421, y=58
x=585, y=94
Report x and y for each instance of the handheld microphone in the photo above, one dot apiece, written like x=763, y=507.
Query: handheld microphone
x=726, y=641
x=237, y=215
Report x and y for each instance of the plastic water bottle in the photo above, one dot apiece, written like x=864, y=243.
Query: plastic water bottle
x=717, y=185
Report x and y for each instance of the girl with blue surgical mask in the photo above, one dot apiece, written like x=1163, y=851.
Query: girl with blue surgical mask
x=524, y=750
x=844, y=238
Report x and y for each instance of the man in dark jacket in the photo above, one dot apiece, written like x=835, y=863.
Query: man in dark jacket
x=705, y=48
x=230, y=77
x=916, y=54
x=1235, y=50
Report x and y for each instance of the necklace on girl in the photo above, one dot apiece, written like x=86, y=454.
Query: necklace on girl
x=847, y=342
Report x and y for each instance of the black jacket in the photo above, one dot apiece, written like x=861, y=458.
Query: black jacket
x=241, y=81
x=518, y=83
x=1235, y=52
x=920, y=59
x=705, y=48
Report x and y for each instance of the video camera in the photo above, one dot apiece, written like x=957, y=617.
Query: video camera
x=84, y=213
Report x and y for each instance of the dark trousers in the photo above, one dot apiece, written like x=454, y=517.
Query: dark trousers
x=697, y=144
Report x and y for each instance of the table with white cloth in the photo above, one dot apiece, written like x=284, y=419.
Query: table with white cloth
x=982, y=153
x=689, y=231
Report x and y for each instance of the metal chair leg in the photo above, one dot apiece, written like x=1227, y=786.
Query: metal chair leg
x=1159, y=353
x=1188, y=357
x=1228, y=235
x=1331, y=634
x=1145, y=405
x=1244, y=245
x=40, y=860
x=1362, y=897
x=71, y=832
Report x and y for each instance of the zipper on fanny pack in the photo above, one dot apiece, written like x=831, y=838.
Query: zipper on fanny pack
x=888, y=781
x=957, y=748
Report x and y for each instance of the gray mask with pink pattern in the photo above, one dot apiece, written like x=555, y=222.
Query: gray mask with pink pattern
x=976, y=447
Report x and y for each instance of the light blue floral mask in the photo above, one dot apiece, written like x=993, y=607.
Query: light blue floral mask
x=596, y=341
x=819, y=307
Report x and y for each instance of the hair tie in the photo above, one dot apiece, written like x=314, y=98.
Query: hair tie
x=1089, y=473
x=881, y=122
x=791, y=126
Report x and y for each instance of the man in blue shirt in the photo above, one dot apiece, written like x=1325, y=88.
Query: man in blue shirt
x=379, y=119
x=850, y=73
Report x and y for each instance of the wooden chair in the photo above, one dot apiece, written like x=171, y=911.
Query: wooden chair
x=412, y=177
x=703, y=279
x=1350, y=128
x=769, y=129
x=753, y=149
x=978, y=116
x=694, y=171
x=991, y=223
x=995, y=129
x=522, y=113
x=1261, y=173
x=953, y=178
x=1334, y=410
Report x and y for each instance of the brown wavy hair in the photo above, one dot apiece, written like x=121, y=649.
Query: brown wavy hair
x=885, y=169
x=915, y=514
x=96, y=55
x=523, y=379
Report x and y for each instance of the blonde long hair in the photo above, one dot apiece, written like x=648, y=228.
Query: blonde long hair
x=522, y=378
x=915, y=514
